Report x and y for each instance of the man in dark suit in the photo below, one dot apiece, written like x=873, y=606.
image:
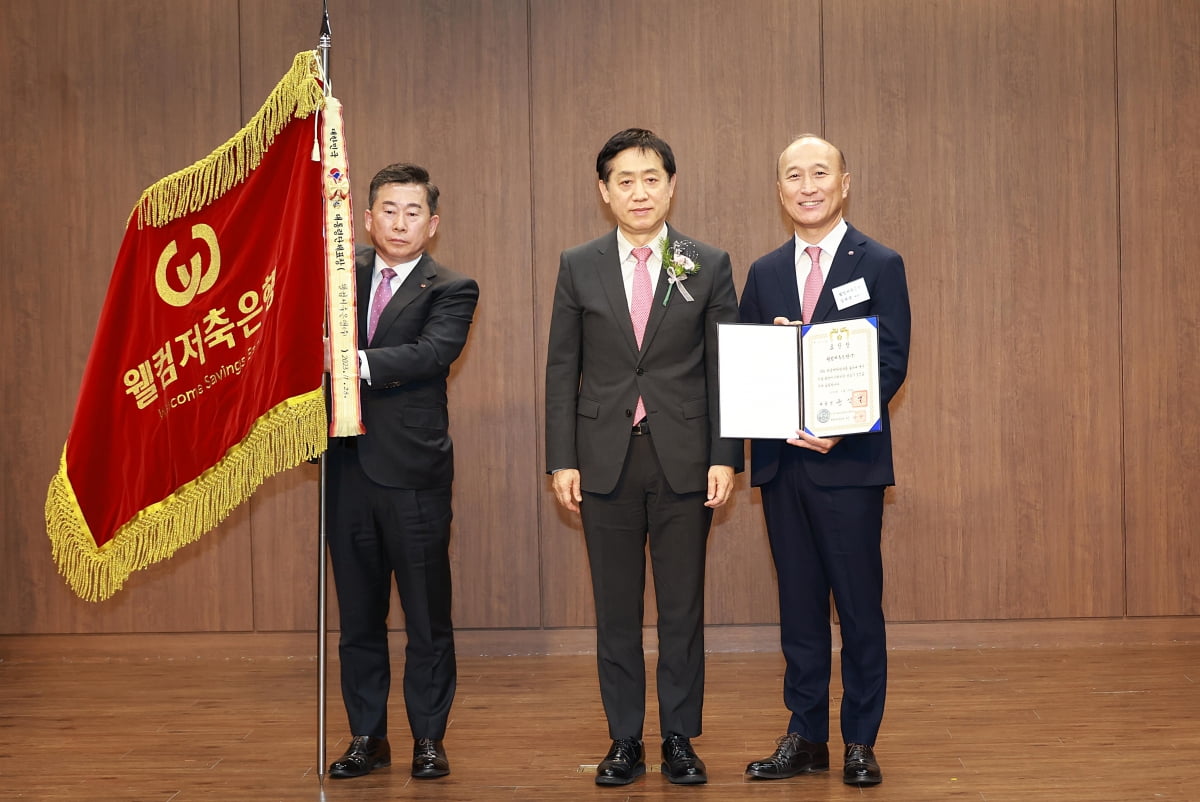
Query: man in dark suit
x=823, y=497
x=631, y=441
x=388, y=491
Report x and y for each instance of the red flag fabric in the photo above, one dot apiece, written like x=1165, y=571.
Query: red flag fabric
x=205, y=374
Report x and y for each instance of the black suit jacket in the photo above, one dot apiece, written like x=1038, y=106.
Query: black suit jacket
x=421, y=331
x=595, y=372
x=771, y=291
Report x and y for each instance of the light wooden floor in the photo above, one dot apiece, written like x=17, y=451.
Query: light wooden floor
x=147, y=724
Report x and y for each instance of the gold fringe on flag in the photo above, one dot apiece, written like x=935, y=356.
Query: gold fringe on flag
x=292, y=432
x=297, y=95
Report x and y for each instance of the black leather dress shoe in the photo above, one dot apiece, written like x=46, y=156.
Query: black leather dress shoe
x=364, y=755
x=624, y=763
x=680, y=764
x=429, y=759
x=861, y=768
x=794, y=755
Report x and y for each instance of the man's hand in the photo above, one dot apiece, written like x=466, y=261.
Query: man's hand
x=566, y=488
x=819, y=444
x=720, y=485
x=783, y=321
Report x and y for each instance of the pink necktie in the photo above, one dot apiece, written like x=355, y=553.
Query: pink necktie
x=383, y=294
x=639, y=309
x=812, y=284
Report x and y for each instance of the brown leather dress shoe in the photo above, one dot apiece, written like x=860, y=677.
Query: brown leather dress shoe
x=861, y=768
x=364, y=755
x=623, y=764
x=795, y=755
x=429, y=759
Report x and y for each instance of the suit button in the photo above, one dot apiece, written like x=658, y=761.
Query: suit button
x=640, y=371
x=629, y=413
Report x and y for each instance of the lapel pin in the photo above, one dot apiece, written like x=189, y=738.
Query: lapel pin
x=423, y=286
x=849, y=253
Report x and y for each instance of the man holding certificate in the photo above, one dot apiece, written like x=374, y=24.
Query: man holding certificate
x=823, y=496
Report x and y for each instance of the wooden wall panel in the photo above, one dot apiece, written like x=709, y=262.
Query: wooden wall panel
x=1159, y=98
x=725, y=84
x=982, y=140
x=106, y=97
x=442, y=83
x=1047, y=371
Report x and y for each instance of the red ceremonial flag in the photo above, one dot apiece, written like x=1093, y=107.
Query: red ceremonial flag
x=205, y=376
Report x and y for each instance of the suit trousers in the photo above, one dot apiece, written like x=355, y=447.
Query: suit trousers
x=376, y=532
x=828, y=539
x=616, y=527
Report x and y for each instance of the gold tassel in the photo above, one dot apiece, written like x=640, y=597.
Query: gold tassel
x=297, y=95
x=292, y=432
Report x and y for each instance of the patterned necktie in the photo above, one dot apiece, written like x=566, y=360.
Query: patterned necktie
x=383, y=294
x=639, y=309
x=812, y=284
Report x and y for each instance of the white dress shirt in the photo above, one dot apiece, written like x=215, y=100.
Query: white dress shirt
x=629, y=262
x=828, y=245
x=402, y=271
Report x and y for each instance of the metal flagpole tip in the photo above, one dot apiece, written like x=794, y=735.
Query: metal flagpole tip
x=325, y=44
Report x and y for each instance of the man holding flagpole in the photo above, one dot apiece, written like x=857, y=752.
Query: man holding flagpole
x=388, y=493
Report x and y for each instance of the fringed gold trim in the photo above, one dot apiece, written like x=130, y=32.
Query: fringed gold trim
x=285, y=436
x=297, y=95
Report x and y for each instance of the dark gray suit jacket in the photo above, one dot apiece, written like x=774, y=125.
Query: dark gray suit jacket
x=595, y=372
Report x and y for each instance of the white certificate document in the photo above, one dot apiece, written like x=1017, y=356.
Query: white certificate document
x=841, y=377
x=759, y=380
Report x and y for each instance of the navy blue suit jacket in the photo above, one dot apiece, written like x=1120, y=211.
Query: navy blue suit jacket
x=771, y=291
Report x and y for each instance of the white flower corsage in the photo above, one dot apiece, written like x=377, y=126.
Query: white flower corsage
x=680, y=259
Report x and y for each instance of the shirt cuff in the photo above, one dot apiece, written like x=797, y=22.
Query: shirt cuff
x=364, y=367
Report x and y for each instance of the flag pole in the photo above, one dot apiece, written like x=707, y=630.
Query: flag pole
x=324, y=43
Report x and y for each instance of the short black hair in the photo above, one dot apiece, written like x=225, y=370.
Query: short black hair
x=403, y=173
x=639, y=138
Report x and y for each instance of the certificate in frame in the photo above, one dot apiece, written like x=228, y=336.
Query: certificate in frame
x=822, y=378
x=840, y=377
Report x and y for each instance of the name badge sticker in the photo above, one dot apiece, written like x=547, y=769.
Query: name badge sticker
x=850, y=294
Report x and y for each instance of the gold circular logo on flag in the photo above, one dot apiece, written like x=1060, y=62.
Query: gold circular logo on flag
x=194, y=278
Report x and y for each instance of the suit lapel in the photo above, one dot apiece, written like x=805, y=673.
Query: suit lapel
x=417, y=282
x=657, y=310
x=608, y=272
x=364, y=272
x=785, y=275
x=845, y=262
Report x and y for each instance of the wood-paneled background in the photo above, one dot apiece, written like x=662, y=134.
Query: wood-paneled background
x=1035, y=161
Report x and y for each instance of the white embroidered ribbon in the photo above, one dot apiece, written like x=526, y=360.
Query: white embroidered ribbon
x=678, y=282
x=340, y=313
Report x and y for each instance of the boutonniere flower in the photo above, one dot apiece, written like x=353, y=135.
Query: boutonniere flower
x=680, y=259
